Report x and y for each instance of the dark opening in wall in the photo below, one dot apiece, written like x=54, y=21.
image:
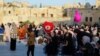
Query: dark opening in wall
x=65, y=13
x=99, y=19
x=90, y=19
x=9, y=12
x=43, y=15
x=51, y=15
x=86, y=19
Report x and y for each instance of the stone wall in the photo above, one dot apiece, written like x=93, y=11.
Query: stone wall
x=17, y=13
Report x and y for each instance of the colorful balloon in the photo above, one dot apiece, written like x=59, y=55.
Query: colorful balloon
x=77, y=17
x=48, y=26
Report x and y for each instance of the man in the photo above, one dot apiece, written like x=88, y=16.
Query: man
x=30, y=42
x=97, y=50
x=13, y=37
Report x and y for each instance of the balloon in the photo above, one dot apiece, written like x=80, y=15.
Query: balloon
x=77, y=17
x=48, y=26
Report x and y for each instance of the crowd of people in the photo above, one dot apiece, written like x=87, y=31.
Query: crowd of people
x=74, y=40
x=66, y=40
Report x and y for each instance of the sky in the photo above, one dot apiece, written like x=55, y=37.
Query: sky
x=54, y=2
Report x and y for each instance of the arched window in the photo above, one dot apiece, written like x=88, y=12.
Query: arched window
x=99, y=19
x=43, y=15
x=51, y=15
x=86, y=19
x=9, y=12
x=90, y=19
x=65, y=13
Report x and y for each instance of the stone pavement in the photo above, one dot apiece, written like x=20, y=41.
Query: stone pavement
x=21, y=50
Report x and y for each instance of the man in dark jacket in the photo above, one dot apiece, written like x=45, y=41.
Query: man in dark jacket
x=97, y=50
x=68, y=48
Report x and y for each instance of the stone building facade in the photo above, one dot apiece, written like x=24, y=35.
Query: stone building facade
x=16, y=12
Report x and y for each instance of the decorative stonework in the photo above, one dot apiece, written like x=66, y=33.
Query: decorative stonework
x=15, y=12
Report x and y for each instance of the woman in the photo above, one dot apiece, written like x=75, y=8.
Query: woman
x=87, y=48
x=22, y=32
x=68, y=47
x=51, y=48
x=7, y=32
x=30, y=42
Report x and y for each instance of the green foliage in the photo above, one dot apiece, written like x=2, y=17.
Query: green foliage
x=25, y=22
